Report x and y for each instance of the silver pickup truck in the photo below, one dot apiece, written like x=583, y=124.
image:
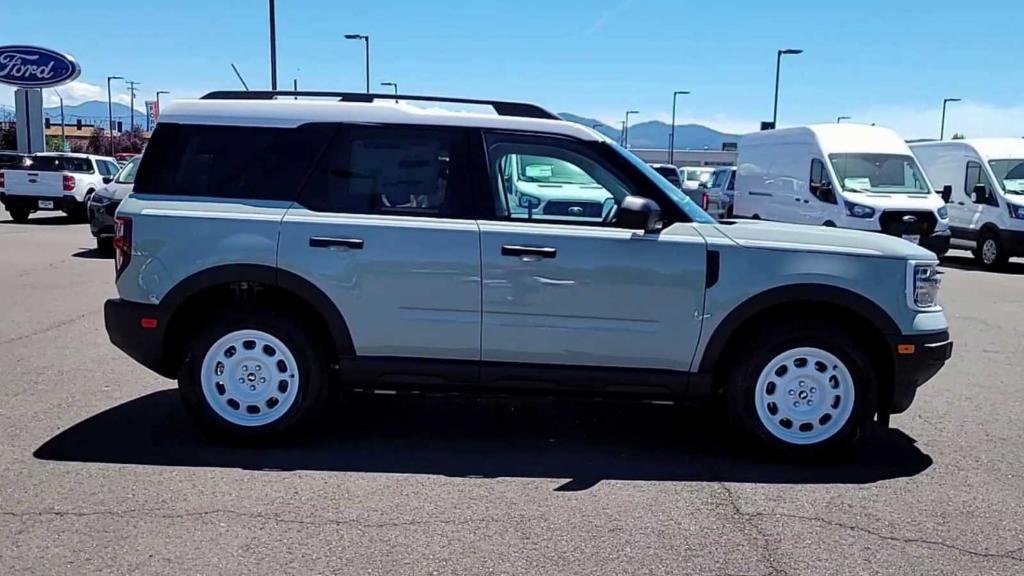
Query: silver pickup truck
x=54, y=181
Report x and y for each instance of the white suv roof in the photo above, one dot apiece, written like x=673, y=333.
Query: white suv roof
x=261, y=109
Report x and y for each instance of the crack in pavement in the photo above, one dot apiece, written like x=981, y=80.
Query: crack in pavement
x=49, y=328
x=248, y=515
x=766, y=548
x=1007, y=555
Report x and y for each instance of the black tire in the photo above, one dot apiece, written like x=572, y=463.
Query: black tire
x=312, y=367
x=105, y=245
x=763, y=348
x=19, y=215
x=986, y=258
x=81, y=211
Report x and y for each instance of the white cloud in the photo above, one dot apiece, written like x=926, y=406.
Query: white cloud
x=607, y=16
x=74, y=93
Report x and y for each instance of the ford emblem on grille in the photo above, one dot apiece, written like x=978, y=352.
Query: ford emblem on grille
x=908, y=219
x=575, y=210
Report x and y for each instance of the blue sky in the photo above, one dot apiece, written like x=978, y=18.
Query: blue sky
x=886, y=62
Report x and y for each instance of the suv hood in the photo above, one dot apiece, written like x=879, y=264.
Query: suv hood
x=800, y=238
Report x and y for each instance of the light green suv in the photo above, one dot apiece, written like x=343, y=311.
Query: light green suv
x=272, y=249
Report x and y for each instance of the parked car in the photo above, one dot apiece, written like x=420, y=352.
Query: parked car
x=718, y=192
x=983, y=181
x=693, y=176
x=274, y=248
x=843, y=175
x=675, y=177
x=104, y=202
x=54, y=181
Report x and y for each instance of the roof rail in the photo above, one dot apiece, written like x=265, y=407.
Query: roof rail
x=502, y=108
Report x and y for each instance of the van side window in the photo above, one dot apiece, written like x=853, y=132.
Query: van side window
x=975, y=175
x=392, y=170
x=819, y=176
x=732, y=180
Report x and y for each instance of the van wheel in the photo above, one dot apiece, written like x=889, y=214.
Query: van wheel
x=990, y=251
x=806, y=392
x=254, y=374
x=19, y=215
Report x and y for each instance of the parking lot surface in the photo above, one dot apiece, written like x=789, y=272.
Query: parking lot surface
x=101, y=472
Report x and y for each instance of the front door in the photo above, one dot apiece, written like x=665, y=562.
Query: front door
x=563, y=286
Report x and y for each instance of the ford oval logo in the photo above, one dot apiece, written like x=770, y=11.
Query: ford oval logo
x=575, y=210
x=34, y=67
x=908, y=219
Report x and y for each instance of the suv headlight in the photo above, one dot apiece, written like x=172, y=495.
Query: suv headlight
x=923, y=281
x=943, y=213
x=1015, y=211
x=859, y=210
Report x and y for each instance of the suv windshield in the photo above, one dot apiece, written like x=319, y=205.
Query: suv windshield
x=127, y=174
x=681, y=200
x=545, y=170
x=879, y=173
x=60, y=164
x=1010, y=174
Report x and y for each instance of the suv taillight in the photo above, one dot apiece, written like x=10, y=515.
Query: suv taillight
x=704, y=201
x=2, y=179
x=122, y=244
x=69, y=183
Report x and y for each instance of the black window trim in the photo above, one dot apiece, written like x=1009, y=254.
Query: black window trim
x=982, y=179
x=826, y=177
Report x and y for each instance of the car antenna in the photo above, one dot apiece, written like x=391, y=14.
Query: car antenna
x=240, y=79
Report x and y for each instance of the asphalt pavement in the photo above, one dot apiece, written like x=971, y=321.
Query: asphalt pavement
x=102, y=473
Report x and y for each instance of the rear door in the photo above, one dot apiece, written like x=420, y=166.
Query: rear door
x=384, y=226
x=575, y=290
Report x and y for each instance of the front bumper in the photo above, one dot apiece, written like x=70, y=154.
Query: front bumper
x=101, y=218
x=124, y=323
x=67, y=203
x=937, y=242
x=917, y=358
x=1012, y=241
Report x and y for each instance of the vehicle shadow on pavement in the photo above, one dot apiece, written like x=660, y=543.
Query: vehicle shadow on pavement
x=92, y=254
x=583, y=441
x=1013, y=267
x=60, y=220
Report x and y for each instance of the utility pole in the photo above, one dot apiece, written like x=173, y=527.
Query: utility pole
x=110, y=112
x=273, y=48
x=131, y=102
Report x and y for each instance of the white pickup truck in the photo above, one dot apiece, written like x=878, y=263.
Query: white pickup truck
x=54, y=181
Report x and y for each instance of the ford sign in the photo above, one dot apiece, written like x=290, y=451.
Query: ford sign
x=34, y=67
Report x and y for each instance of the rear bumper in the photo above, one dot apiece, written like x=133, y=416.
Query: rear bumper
x=917, y=358
x=66, y=203
x=124, y=323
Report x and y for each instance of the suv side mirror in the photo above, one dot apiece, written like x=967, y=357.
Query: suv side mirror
x=980, y=194
x=108, y=179
x=638, y=213
x=946, y=193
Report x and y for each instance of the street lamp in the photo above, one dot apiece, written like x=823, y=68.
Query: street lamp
x=63, y=140
x=273, y=47
x=110, y=112
x=778, y=66
x=393, y=85
x=841, y=118
x=625, y=128
x=672, y=133
x=366, y=39
x=156, y=116
x=942, y=128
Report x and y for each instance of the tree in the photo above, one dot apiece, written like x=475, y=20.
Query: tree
x=959, y=136
x=8, y=138
x=98, y=143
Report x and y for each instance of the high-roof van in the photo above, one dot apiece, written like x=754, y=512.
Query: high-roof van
x=985, y=180
x=842, y=175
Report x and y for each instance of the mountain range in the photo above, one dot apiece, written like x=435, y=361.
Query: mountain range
x=94, y=112
x=656, y=134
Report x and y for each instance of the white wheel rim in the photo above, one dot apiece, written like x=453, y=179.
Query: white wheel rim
x=804, y=396
x=989, y=251
x=249, y=378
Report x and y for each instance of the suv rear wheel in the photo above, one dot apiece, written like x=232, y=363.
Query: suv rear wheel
x=19, y=215
x=806, y=392
x=254, y=374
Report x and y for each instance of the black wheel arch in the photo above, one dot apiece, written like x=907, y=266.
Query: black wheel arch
x=186, y=301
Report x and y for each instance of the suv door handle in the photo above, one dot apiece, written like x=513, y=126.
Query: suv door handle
x=508, y=250
x=323, y=242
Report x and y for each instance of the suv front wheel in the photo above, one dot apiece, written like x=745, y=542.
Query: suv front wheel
x=253, y=374
x=805, y=392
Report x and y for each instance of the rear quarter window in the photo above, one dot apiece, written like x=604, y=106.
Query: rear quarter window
x=60, y=164
x=233, y=162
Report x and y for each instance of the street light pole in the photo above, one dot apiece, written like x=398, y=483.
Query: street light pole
x=110, y=112
x=366, y=40
x=393, y=85
x=839, y=119
x=273, y=46
x=131, y=102
x=625, y=129
x=778, y=67
x=63, y=140
x=672, y=132
x=942, y=128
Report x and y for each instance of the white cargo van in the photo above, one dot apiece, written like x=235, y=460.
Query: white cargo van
x=844, y=175
x=985, y=180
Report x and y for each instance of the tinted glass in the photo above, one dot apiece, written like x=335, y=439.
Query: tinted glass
x=670, y=174
x=60, y=164
x=239, y=162
x=732, y=180
x=127, y=174
x=1010, y=174
x=11, y=159
x=392, y=170
x=682, y=201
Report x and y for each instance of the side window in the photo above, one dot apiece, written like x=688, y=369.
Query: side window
x=394, y=170
x=732, y=180
x=820, y=177
x=235, y=162
x=107, y=168
x=975, y=175
x=549, y=183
